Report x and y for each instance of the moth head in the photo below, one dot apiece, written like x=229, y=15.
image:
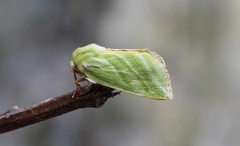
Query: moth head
x=83, y=54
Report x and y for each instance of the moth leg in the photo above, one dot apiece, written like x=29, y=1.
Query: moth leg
x=111, y=90
x=114, y=93
x=77, y=81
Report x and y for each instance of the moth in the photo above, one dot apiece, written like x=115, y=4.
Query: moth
x=137, y=71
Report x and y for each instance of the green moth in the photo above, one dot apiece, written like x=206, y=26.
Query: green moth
x=138, y=71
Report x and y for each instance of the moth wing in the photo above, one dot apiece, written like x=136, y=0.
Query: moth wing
x=137, y=71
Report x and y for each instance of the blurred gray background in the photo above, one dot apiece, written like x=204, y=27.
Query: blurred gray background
x=199, y=40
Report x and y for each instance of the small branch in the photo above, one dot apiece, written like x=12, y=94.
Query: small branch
x=88, y=96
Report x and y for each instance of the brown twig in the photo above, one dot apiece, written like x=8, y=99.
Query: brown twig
x=87, y=96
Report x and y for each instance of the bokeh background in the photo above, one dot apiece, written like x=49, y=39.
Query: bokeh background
x=199, y=40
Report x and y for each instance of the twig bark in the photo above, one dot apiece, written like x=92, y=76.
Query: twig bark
x=88, y=96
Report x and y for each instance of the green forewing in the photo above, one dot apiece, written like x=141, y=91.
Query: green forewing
x=137, y=71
